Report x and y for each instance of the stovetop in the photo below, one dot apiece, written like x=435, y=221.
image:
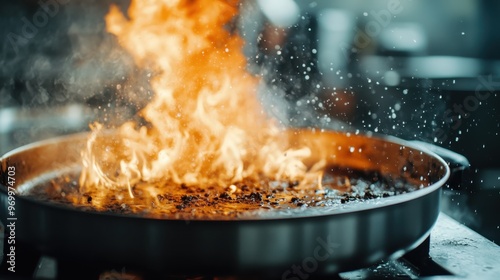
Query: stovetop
x=452, y=251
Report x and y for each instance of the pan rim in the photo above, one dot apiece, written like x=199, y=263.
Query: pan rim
x=345, y=209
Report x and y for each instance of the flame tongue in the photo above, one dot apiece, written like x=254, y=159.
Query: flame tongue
x=206, y=124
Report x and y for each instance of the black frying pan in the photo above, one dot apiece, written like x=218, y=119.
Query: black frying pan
x=316, y=241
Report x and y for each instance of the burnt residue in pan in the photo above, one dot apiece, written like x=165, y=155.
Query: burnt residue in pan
x=338, y=186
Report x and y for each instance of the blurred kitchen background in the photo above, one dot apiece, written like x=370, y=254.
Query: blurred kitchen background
x=419, y=70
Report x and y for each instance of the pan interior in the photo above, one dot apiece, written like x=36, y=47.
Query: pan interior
x=342, y=188
x=362, y=173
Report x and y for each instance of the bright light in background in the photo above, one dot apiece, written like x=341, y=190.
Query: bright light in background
x=282, y=13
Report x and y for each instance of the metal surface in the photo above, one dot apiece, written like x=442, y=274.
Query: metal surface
x=464, y=253
x=320, y=242
x=469, y=263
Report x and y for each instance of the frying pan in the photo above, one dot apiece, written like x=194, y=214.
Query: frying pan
x=289, y=244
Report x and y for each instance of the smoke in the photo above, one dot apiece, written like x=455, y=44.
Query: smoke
x=58, y=52
x=285, y=58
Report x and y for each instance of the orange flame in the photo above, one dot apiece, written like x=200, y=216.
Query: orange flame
x=206, y=125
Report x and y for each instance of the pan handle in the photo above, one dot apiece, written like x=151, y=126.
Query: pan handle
x=459, y=164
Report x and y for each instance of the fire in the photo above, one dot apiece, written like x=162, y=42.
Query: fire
x=205, y=123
